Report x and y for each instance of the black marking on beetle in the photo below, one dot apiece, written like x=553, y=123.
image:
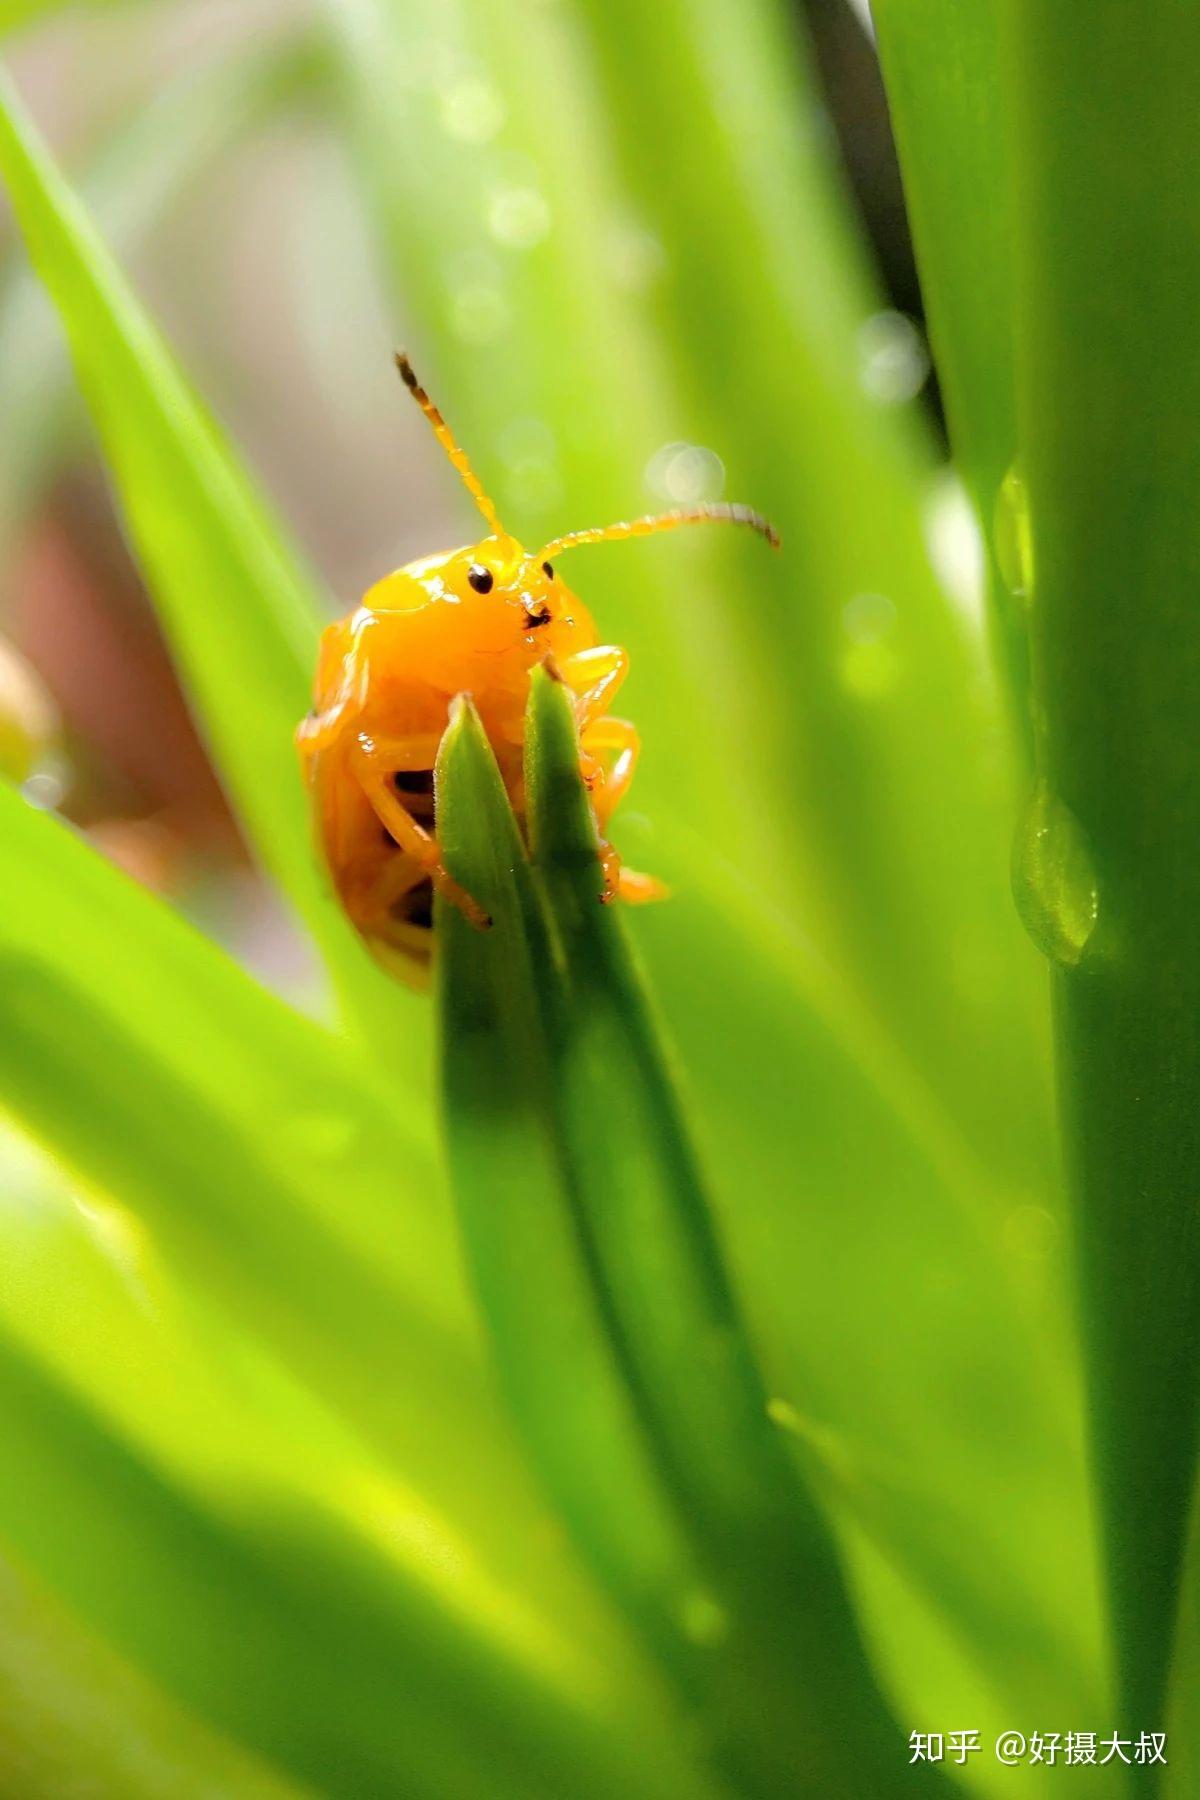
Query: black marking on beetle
x=542, y=616
x=413, y=781
x=416, y=907
x=481, y=579
x=548, y=570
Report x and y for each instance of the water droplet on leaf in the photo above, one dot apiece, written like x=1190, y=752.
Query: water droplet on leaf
x=1013, y=532
x=46, y=788
x=1054, y=880
x=894, y=362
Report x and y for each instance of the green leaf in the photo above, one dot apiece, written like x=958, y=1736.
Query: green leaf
x=496, y=994
x=240, y=613
x=940, y=61
x=608, y=1195
x=1107, y=260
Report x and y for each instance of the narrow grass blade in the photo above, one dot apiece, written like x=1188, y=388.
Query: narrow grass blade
x=1107, y=261
x=940, y=61
x=497, y=993
x=600, y=1166
x=239, y=611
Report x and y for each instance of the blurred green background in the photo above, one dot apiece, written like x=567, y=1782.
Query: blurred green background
x=271, y=1525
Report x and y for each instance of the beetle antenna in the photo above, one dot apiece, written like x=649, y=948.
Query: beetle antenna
x=716, y=510
x=445, y=438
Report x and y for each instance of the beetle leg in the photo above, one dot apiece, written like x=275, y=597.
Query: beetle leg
x=637, y=889
x=621, y=736
x=318, y=730
x=594, y=677
x=373, y=769
x=402, y=754
x=398, y=876
x=627, y=884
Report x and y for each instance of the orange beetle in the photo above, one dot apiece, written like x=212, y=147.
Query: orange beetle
x=474, y=621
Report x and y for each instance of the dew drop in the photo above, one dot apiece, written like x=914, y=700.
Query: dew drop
x=46, y=788
x=471, y=110
x=1013, y=534
x=1054, y=881
x=893, y=360
x=685, y=473
x=518, y=217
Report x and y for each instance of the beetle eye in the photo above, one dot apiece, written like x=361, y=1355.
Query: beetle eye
x=480, y=578
x=548, y=570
